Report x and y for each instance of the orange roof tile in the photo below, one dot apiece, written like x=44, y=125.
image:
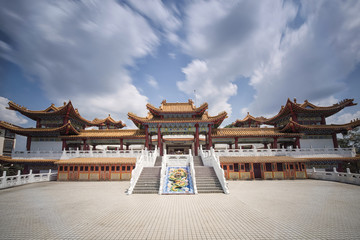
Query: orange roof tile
x=110, y=120
x=307, y=107
x=251, y=132
x=97, y=161
x=65, y=129
x=188, y=107
x=264, y=159
x=337, y=128
x=250, y=117
x=109, y=133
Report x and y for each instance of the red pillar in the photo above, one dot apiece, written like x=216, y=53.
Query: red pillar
x=297, y=142
x=159, y=141
x=230, y=145
x=323, y=121
x=85, y=145
x=275, y=143
x=236, y=143
x=209, y=137
x=335, y=141
x=147, y=136
x=196, y=139
x=63, y=144
x=121, y=144
x=127, y=146
x=28, y=143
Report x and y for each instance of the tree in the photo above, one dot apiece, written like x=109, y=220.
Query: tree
x=351, y=139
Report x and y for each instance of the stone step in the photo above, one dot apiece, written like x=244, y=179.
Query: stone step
x=146, y=192
x=210, y=191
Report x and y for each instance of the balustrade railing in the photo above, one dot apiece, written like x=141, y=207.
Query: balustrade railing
x=345, y=177
x=292, y=152
x=163, y=172
x=67, y=154
x=11, y=181
x=209, y=158
x=146, y=159
x=192, y=172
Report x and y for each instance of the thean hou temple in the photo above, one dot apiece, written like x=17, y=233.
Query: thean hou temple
x=179, y=147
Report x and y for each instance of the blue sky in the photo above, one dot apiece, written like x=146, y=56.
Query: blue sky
x=113, y=57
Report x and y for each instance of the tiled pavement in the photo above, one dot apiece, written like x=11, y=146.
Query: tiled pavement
x=302, y=209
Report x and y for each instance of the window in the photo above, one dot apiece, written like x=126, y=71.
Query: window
x=65, y=168
x=102, y=168
x=303, y=166
x=268, y=167
x=242, y=167
x=236, y=167
x=231, y=167
x=75, y=168
x=81, y=168
x=128, y=168
x=247, y=167
x=291, y=166
x=113, y=168
x=96, y=168
x=86, y=168
x=225, y=167
x=61, y=168
x=279, y=167
x=71, y=168
x=107, y=168
x=123, y=168
x=118, y=168
x=92, y=168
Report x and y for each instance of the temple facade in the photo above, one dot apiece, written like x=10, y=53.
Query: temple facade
x=280, y=147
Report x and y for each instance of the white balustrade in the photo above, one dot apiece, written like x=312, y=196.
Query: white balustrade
x=296, y=153
x=192, y=172
x=67, y=154
x=11, y=181
x=163, y=172
x=345, y=177
x=210, y=159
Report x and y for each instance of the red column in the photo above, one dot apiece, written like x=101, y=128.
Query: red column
x=38, y=125
x=63, y=144
x=323, y=121
x=147, y=136
x=28, y=143
x=335, y=141
x=275, y=143
x=236, y=143
x=230, y=145
x=85, y=146
x=297, y=142
x=159, y=140
x=209, y=137
x=196, y=139
x=127, y=146
x=121, y=144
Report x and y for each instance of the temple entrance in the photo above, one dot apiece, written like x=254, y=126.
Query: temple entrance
x=178, y=149
x=257, y=171
x=291, y=170
x=104, y=173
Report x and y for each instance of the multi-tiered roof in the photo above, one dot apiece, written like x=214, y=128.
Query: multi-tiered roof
x=177, y=113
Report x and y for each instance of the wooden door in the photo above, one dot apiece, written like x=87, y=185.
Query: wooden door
x=257, y=171
x=291, y=170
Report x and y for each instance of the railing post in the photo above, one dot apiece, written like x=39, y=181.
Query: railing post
x=3, y=182
x=348, y=171
x=31, y=176
x=334, y=169
x=18, y=178
x=49, y=174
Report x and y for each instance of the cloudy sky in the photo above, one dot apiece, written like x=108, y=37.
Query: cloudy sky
x=239, y=56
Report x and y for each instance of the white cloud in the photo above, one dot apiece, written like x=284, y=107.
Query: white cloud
x=172, y=55
x=233, y=38
x=200, y=78
x=9, y=115
x=152, y=81
x=343, y=118
x=160, y=15
x=79, y=51
x=245, y=39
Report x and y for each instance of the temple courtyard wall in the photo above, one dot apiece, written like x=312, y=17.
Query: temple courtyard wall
x=287, y=209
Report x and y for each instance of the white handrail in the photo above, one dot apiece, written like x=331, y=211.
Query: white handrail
x=192, y=172
x=163, y=172
x=291, y=152
x=136, y=172
x=345, y=177
x=11, y=181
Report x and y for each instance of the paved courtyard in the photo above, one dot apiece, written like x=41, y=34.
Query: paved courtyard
x=302, y=209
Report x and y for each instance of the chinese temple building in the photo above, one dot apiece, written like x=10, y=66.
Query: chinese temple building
x=280, y=147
